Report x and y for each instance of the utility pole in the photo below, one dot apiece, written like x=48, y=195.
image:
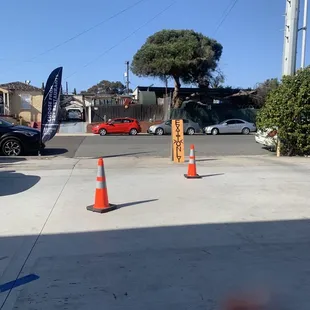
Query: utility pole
x=290, y=37
x=290, y=44
x=304, y=35
x=127, y=77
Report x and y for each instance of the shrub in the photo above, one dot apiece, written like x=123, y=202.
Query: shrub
x=287, y=108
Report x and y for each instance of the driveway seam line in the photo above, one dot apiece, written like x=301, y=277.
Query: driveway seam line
x=78, y=147
x=38, y=236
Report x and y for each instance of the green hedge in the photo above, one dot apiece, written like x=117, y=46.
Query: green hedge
x=288, y=109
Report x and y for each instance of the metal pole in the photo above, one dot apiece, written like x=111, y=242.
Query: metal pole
x=304, y=35
x=127, y=77
x=290, y=37
x=290, y=44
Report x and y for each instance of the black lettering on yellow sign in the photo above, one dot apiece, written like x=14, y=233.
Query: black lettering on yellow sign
x=177, y=141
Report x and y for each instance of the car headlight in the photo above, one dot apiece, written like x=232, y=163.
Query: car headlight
x=152, y=128
x=29, y=133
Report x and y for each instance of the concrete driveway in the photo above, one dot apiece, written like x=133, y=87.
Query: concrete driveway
x=172, y=244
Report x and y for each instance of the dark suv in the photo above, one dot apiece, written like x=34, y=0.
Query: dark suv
x=17, y=140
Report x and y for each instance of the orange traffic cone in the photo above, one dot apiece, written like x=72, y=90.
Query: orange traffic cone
x=192, y=172
x=102, y=204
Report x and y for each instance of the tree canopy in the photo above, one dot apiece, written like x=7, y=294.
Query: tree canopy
x=263, y=89
x=107, y=87
x=217, y=80
x=287, y=108
x=182, y=55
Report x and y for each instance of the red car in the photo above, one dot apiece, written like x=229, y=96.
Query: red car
x=118, y=126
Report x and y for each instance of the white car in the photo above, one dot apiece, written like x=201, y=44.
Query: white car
x=267, y=137
x=231, y=126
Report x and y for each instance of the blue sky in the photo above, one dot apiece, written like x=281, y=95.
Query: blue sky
x=252, y=37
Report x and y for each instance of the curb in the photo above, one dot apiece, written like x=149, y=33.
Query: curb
x=9, y=160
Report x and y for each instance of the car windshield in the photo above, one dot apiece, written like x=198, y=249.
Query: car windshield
x=4, y=123
x=223, y=122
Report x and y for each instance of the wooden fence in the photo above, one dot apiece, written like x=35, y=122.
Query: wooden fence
x=138, y=111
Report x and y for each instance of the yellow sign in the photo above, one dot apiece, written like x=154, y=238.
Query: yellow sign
x=177, y=141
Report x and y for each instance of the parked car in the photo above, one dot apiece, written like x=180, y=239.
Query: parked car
x=164, y=128
x=118, y=126
x=17, y=140
x=231, y=126
x=74, y=114
x=267, y=137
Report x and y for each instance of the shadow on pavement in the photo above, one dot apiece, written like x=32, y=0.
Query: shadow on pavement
x=122, y=155
x=211, y=175
x=134, y=203
x=270, y=149
x=202, y=160
x=53, y=151
x=13, y=183
x=166, y=267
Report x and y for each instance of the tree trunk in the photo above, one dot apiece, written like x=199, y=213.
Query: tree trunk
x=175, y=98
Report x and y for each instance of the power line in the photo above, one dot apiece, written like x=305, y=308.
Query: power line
x=88, y=30
x=31, y=60
x=79, y=34
x=226, y=10
x=229, y=10
x=123, y=40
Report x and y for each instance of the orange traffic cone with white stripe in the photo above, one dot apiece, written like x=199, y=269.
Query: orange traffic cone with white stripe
x=192, y=171
x=102, y=204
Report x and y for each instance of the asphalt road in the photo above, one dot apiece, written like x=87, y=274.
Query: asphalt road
x=158, y=146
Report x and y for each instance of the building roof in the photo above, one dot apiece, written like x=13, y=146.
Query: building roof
x=169, y=89
x=19, y=86
x=244, y=93
x=190, y=90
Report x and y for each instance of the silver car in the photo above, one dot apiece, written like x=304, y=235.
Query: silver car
x=190, y=128
x=231, y=126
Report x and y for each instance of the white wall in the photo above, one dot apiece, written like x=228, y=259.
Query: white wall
x=88, y=102
x=136, y=94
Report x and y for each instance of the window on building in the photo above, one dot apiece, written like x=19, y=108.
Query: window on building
x=25, y=102
x=1, y=103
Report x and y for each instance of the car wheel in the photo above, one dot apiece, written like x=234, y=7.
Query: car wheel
x=133, y=132
x=102, y=132
x=215, y=132
x=245, y=131
x=159, y=132
x=11, y=147
x=190, y=131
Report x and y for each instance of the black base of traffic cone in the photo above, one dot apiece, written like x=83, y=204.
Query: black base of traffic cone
x=197, y=176
x=105, y=210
